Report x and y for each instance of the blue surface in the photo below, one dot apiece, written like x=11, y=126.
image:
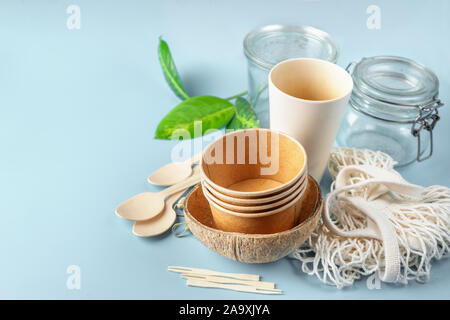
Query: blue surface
x=79, y=109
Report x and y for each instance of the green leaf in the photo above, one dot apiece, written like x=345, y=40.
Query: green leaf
x=244, y=116
x=212, y=111
x=170, y=71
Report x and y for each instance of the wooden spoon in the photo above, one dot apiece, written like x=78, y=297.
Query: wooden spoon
x=147, y=205
x=173, y=173
x=161, y=223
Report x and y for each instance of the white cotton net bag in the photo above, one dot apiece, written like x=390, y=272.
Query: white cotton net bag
x=374, y=222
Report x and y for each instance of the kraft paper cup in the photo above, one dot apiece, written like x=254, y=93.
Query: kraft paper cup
x=271, y=221
x=255, y=201
x=253, y=163
x=256, y=208
x=307, y=99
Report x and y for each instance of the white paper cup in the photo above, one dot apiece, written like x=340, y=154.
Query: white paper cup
x=307, y=100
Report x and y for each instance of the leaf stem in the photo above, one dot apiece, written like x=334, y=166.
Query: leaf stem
x=237, y=95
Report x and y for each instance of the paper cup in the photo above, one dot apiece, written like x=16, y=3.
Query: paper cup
x=255, y=201
x=276, y=220
x=253, y=163
x=256, y=208
x=307, y=100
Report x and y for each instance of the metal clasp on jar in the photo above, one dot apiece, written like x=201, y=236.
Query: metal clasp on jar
x=427, y=119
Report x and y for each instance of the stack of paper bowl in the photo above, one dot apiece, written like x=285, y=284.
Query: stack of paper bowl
x=254, y=180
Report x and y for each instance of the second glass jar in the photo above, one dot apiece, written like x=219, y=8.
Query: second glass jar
x=393, y=108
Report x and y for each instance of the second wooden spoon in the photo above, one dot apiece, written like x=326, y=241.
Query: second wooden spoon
x=147, y=205
x=173, y=173
x=161, y=223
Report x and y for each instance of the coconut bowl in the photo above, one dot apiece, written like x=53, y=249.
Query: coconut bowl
x=252, y=248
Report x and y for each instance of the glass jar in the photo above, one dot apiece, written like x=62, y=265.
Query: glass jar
x=393, y=108
x=266, y=46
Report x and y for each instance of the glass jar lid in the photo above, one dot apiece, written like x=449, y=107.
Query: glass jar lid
x=392, y=88
x=395, y=79
x=271, y=44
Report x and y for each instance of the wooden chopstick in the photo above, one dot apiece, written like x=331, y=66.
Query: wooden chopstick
x=235, y=287
x=225, y=280
x=240, y=276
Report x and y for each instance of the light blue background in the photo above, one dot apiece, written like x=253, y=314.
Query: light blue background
x=78, y=110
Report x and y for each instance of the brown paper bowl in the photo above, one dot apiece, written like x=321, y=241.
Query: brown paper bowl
x=256, y=201
x=255, y=208
x=271, y=221
x=246, y=155
x=252, y=248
